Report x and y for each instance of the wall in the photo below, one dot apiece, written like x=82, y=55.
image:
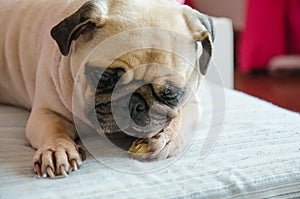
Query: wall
x=233, y=9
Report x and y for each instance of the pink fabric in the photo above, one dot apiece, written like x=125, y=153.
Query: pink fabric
x=294, y=27
x=181, y=1
x=187, y=2
x=271, y=30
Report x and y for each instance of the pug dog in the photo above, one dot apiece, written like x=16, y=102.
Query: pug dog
x=43, y=46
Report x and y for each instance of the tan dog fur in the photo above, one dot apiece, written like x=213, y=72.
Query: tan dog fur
x=36, y=76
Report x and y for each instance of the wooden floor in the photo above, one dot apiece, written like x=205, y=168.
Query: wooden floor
x=282, y=89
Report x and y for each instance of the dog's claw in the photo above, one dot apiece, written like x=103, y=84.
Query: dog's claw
x=63, y=171
x=37, y=169
x=142, y=140
x=50, y=172
x=57, y=160
x=158, y=147
x=74, y=165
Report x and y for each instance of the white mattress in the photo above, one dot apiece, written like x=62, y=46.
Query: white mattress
x=257, y=156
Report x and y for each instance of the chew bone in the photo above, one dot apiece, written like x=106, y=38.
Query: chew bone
x=139, y=146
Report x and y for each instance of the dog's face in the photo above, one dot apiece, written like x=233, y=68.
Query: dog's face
x=141, y=91
x=147, y=92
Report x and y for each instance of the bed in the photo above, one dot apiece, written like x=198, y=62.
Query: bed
x=257, y=155
x=252, y=150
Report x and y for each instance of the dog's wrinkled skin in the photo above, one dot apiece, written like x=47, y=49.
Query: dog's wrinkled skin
x=43, y=44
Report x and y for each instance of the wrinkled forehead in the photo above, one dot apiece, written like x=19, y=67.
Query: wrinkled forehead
x=144, y=46
x=153, y=66
x=159, y=51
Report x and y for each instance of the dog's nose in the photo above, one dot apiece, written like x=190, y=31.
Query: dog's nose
x=138, y=108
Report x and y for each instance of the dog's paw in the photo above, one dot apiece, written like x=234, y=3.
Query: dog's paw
x=159, y=147
x=57, y=159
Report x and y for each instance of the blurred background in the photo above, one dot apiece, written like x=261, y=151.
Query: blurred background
x=266, y=46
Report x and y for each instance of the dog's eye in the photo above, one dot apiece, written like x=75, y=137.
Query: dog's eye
x=170, y=95
x=108, y=79
x=104, y=79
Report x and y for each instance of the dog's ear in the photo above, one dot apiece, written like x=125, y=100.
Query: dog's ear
x=86, y=18
x=203, y=31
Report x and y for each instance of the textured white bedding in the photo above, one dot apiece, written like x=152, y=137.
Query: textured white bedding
x=257, y=156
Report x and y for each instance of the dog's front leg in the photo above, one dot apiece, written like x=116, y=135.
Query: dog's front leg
x=52, y=136
x=165, y=144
